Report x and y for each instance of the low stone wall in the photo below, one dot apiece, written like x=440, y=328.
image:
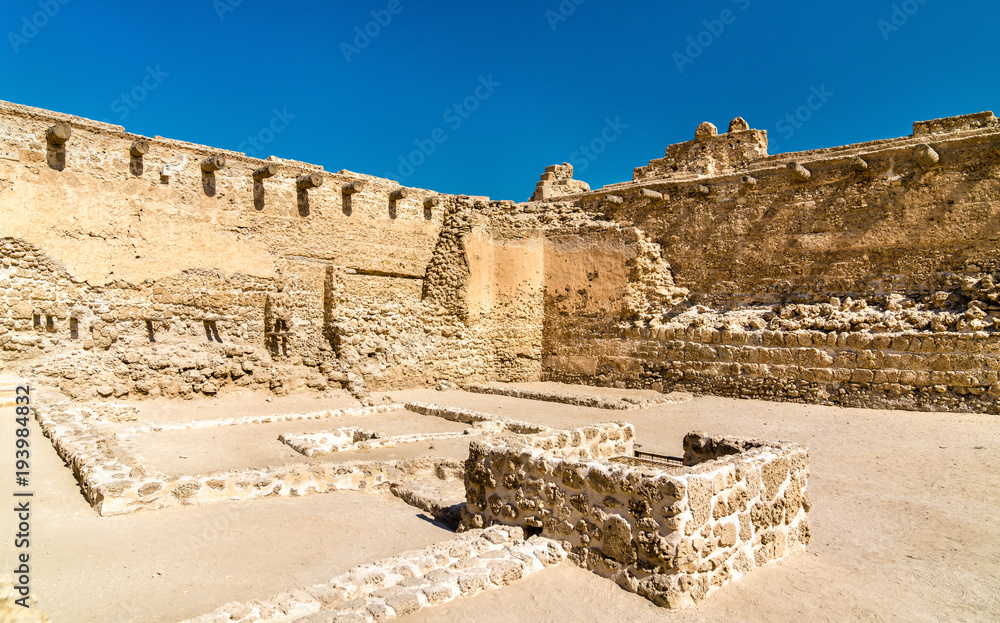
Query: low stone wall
x=268, y=418
x=484, y=422
x=494, y=467
x=394, y=345
x=117, y=482
x=916, y=370
x=465, y=566
x=354, y=438
x=671, y=533
x=578, y=399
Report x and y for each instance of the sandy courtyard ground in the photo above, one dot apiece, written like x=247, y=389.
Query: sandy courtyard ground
x=904, y=526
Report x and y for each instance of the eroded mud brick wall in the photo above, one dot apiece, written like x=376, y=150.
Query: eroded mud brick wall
x=862, y=275
x=505, y=291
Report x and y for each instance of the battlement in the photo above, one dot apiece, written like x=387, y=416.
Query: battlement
x=33, y=135
x=961, y=123
x=557, y=181
x=743, y=150
x=182, y=205
x=709, y=153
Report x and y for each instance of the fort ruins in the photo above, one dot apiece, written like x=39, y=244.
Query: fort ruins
x=137, y=271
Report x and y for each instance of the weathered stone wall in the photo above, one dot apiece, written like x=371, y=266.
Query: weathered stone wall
x=911, y=369
x=672, y=534
x=105, y=218
x=868, y=280
x=199, y=331
x=167, y=279
x=859, y=275
x=391, y=345
x=755, y=233
x=479, y=317
x=192, y=332
x=709, y=153
x=505, y=300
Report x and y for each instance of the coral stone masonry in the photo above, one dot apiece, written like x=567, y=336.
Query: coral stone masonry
x=137, y=272
x=863, y=275
x=671, y=531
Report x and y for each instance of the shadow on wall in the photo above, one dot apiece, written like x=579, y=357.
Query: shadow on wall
x=302, y=199
x=55, y=156
x=258, y=194
x=208, y=183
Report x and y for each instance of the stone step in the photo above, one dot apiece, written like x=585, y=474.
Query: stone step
x=472, y=562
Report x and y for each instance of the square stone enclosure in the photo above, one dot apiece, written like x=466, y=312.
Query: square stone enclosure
x=671, y=531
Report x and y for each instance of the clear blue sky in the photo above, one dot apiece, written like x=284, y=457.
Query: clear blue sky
x=534, y=81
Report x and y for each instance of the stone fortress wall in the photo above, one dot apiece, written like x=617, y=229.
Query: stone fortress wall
x=860, y=275
x=150, y=274
x=863, y=275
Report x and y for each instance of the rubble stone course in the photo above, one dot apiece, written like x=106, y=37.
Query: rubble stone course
x=580, y=400
x=354, y=438
x=486, y=422
x=116, y=482
x=473, y=562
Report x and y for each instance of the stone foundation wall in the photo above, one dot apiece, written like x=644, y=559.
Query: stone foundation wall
x=117, y=482
x=485, y=422
x=672, y=534
x=917, y=370
x=577, y=399
x=471, y=563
